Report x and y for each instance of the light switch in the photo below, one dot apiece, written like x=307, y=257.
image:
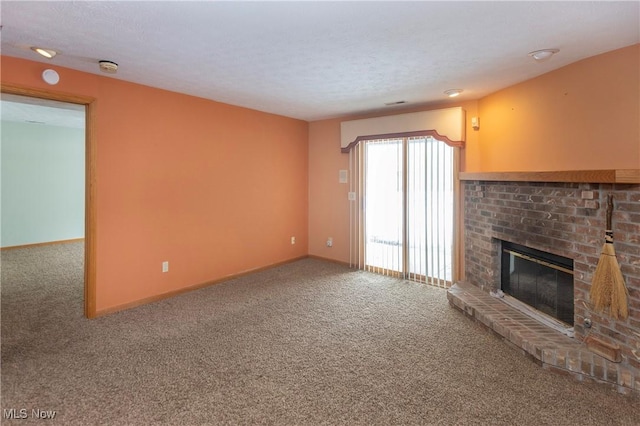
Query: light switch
x=343, y=176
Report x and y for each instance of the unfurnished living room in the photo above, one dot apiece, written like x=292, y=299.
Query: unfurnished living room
x=320, y=212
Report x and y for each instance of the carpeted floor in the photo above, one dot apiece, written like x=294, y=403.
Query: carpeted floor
x=306, y=343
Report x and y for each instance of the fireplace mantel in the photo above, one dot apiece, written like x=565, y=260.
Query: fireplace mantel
x=630, y=176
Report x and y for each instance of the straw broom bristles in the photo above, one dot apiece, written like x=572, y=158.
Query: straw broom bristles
x=608, y=289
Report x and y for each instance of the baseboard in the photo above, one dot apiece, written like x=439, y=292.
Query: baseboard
x=326, y=259
x=48, y=243
x=173, y=293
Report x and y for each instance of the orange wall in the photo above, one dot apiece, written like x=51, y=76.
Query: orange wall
x=212, y=188
x=328, y=202
x=217, y=189
x=583, y=116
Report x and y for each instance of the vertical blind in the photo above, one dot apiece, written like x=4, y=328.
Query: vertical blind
x=402, y=209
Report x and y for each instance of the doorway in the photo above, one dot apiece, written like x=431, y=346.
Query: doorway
x=408, y=208
x=90, y=190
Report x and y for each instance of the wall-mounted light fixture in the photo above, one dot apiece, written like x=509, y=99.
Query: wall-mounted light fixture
x=47, y=53
x=452, y=93
x=543, y=55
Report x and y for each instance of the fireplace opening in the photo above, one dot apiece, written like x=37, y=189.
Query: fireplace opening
x=539, y=279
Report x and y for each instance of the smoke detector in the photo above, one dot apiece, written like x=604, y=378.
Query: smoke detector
x=109, y=67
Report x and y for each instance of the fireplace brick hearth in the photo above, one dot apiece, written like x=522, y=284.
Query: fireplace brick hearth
x=548, y=348
x=565, y=219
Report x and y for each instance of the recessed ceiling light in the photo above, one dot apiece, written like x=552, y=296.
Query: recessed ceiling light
x=47, y=53
x=543, y=55
x=452, y=93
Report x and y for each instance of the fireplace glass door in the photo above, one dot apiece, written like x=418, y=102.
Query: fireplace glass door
x=539, y=279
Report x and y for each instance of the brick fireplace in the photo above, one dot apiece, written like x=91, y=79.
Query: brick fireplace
x=564, y=219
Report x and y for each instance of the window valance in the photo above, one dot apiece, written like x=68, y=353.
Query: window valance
x=445, y=124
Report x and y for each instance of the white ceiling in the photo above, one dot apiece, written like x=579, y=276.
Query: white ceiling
x=316, y=60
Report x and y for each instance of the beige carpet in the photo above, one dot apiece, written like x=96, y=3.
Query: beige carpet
x=306, y=343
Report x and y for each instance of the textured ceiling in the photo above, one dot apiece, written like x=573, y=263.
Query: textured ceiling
x=315, y=60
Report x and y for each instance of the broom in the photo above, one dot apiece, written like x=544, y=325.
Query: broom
x=607, y=288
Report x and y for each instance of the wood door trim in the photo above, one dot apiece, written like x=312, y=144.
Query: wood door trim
x=90, y=180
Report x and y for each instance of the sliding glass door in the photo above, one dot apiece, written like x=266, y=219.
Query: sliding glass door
x=429, y=211
x=408, y=208
x=384, y=205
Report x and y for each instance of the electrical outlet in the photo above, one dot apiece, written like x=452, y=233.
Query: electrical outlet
x=165, y=266
x=329, y=242
x=293, y=240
